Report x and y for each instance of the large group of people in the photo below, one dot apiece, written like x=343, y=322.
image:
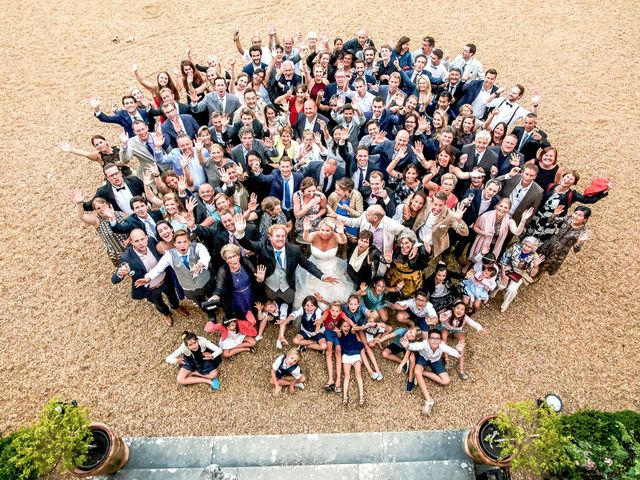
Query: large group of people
x=364, y=199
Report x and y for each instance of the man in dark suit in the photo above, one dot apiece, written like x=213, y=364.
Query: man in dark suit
x=220, y=234
x=167, y=96
x=255, y=53
x=530, y=138
x=309, y=119
x=142, y=218
x=137, y=260
x=284, y=182
x=522, y=190
x=507, y=156
x=478, y=154
x=118, y=190
x=479, y=88
x=325, y=174
x=176, y=123
x=454, y=85
x=388, y=150
x=217, y=101
x=434, y=145
x=362, y=168
x=443, y=102
x=477, y=201
x=281, y=261
x=377, y=194
x=385, y=117
x=125, y=117
x=340, y=88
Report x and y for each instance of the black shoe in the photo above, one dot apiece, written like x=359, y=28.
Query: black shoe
x=252, y=349
x=302, y=348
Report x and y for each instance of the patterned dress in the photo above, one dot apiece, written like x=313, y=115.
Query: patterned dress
x=113, y=242
x=559, y=245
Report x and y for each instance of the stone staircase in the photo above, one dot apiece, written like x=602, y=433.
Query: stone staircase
x=344, y=456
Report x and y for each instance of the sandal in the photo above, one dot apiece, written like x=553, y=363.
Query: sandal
x=338, y=389
x=345, y=400
x=362, y=401
x=463, y=375
x=428, y=406
x=329, y=387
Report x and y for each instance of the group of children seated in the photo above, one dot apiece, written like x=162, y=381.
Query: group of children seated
x=348, y=335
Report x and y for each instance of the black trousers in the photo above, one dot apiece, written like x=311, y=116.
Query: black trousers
x=155, y=297
x=202, y=294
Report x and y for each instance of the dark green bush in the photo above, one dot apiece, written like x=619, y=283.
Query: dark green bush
x=599, y=427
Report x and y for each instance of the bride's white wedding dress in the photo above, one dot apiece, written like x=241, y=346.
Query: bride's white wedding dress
x=329, y=264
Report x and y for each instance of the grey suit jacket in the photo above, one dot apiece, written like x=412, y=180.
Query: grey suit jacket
x=211, y=103
x=531, y=200
x=237, y=153
x=136, y=148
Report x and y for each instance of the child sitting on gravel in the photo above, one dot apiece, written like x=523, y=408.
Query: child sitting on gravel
x=236, y=336
x=286, y=372
x=311, y=334
x=417, y=311
x=269, y=312
x=394, y=350
x=198, y=359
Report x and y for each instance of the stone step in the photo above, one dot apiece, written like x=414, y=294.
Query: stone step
x=274, y=450
x=443, y=469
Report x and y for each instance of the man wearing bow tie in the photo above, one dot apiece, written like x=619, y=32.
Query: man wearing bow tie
x=508, y=110
x=118, y=190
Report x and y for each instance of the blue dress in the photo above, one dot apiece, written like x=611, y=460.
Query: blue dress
x=343, y=212
x=242, y=298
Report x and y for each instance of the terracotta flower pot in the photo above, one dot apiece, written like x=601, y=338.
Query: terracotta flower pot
x=107, y=454
x=479, y=449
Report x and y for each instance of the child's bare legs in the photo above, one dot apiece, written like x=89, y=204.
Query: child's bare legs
x=262, y=325
x=185, y=377
x=338, y=354
x=345, y=388
x=283, y=327
x=420, y=373
x=403, y=317
x=363, y=339
x=442, y=379
x=329, y=361
x=358, y=369
x=312, y=344
x=460, y=347
x=245, y=346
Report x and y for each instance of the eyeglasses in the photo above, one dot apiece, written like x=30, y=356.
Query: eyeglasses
x=114, y=174
x=435, y=338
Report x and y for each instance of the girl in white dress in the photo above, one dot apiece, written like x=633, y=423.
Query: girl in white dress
x=324, y=250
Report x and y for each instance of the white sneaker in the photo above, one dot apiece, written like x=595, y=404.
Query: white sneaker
x=428, y=406
x=379, y=376
x=258, y=338
x=503, y=308
x=374, y=375
x=278, y=345
x=299, y=385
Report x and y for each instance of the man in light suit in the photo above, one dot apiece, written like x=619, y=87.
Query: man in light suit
x=530, y=138
x=217, y=101
x=140, y=146
x=137, y=260
x=470, y=67
x=522, y=190
x=176, y=123
x=247, y=144
x=124, y=117
x=435, y=225
x=325, y=174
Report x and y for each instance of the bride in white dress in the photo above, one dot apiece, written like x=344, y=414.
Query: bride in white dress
x=324, y=251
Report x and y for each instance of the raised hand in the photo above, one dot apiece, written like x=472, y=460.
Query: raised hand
x=306, y=223
x=158, y=139
x=253, y=203
x=584, y=236
x=261, y=272
x=146, y=177
x=515, y=159
x=134, y=67
x=388, y=255
x=193, y=95
x=318, y=138
x=123, y=136
x=191, y=204
x=65, y=147
x=258, y=305
x=527, y=214
x=109, y=212
x=268, y=142
x=198, y=145
x=182, y=184
x=240, y=223
x=340, y=226
x=184, y=161
x=459, y=211
x=463, y=159
x=76, y=196
x=95, y=104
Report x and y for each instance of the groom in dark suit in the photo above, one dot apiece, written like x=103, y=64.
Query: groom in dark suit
x=118, y=190
x=281, y=260
x=140, y=257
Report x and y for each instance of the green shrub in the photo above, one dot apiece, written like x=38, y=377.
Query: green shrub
x=8, y=470
x=599, y=427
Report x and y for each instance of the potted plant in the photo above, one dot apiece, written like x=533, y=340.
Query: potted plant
x=61, y=439
x=524, y=435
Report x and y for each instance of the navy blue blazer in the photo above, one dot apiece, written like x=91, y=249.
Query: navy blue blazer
x=131, y=257
x=298, y=128
x=250, y=67
x=277, y=183
x=471, y=213
x=471, y=90
x=122, y=118
x=330, y=91
x=313, y=171
x=385, y=150
x=387, y=121
x=190, y=128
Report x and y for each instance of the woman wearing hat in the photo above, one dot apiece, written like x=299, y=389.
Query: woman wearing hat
x=558, y=199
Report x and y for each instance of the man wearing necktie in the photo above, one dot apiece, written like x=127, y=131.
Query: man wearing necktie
x=281, y=260
x=124, y=117
x=530, y=138
x=141, y=218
